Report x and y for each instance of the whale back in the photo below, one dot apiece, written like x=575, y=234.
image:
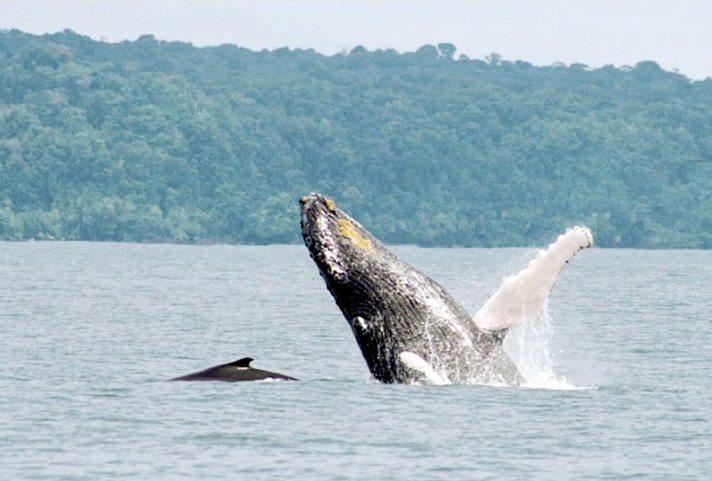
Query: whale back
x=235, y=371
x=393, y=308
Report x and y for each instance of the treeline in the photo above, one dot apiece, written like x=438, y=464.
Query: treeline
x=161, y=141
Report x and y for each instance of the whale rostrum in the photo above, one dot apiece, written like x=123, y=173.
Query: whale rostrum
x=408, y=327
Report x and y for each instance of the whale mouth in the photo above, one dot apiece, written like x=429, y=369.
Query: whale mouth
x=314, y=206
x=320, y=230
x=318, y=216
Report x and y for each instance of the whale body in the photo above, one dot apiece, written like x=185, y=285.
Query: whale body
x=239, y=370
x=407, y=326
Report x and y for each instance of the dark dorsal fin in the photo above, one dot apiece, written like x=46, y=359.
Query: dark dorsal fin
x=244, y=362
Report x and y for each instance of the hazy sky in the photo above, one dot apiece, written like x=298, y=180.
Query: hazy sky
x=675, y=33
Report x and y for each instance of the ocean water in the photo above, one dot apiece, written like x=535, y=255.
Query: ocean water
x=620, y=365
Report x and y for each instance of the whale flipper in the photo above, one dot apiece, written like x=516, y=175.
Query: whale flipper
x=524, y=294
x=235, y=371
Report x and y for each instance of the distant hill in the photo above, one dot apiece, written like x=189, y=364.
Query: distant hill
x=163, y=141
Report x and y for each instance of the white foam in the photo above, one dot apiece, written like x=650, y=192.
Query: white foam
x=554, y=384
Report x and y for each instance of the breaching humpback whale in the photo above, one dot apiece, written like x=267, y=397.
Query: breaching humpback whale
x=409, y=329
x=239, y=370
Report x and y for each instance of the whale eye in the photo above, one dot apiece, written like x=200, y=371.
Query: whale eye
x=360, y=323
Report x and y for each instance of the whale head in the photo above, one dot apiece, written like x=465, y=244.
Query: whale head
x=354, y=265
x=339, y=245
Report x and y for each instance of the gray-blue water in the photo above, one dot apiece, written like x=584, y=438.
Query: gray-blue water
x=90, y=332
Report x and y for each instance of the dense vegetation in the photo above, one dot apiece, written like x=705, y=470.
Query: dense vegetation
x=152, y=140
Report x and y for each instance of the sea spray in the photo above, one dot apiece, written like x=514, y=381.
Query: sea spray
x=529, y=345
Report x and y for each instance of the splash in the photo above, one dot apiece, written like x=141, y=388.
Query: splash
x=529, y=346
x=521, y=297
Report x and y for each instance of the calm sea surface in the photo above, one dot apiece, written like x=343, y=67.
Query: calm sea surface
x=91, y=331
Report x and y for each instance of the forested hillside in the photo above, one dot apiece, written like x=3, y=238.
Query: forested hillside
x=162, y=141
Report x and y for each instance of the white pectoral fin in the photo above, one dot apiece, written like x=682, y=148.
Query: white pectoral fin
x=418, y=364
x=522, y=295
